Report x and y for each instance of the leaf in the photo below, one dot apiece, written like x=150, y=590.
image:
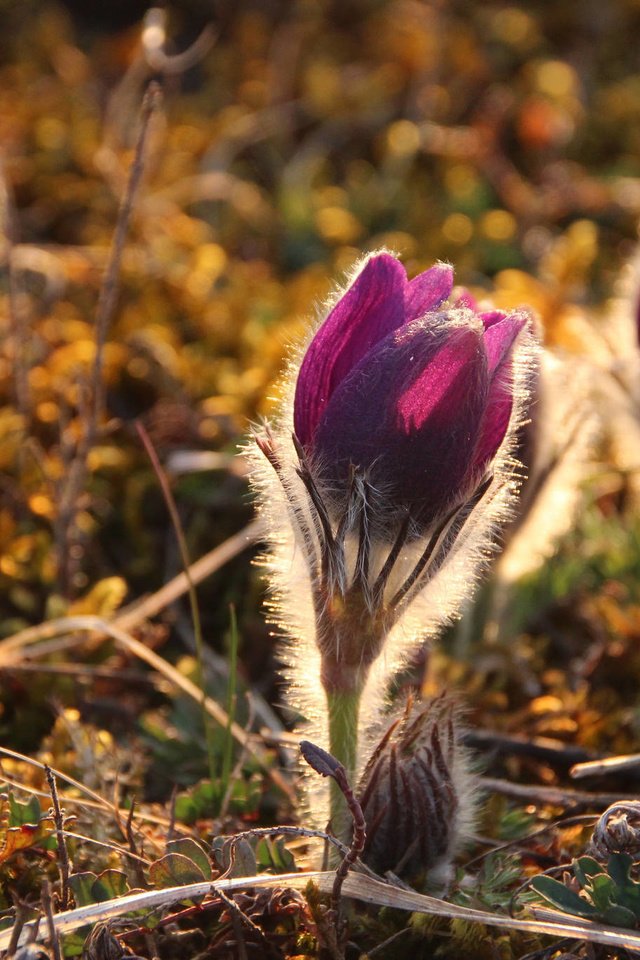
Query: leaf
x=619, y=916
x=619, y=868
x=174, y=870
x=273, y=855
x=244, y=860
x=585, y=868
x=200, y=801
x=103, y=599
x=560, y=896
x=190, y=848
x=82, y=888
x=109, y=885
x=601, y=890
x=28, y=835
x=21, y=812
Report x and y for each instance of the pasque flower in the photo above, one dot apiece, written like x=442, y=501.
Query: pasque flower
x=393, y=455
x=416, y=397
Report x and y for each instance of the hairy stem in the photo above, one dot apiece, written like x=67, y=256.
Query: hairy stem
x=343, y=707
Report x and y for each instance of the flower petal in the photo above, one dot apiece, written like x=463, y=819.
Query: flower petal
x=427, y=291
x=409, y=415
x=501, y=333
x=371, y=308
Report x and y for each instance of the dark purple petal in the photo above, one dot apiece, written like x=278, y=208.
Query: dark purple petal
x=499, y=339
x=409, y=414
x=371, y=309
x=427, y=291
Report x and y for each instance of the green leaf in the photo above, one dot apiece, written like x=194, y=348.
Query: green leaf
x=190, y=848
x=619, y=868
x=601, y=890
x=272, y=854
x=585, y=868
x=82, y=888
x=109, y=885
x=200, y=801
x=21, y=812
x=560, y=896
x=244, y=859
x=620, y=917
x=175, y=870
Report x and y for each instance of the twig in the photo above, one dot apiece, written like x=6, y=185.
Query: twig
x=595, y=768
x=386, y=943
x=110, y=286
x=75, y=477
x=239, y=915
x=18, y=924
x=539, y=748
x=327, y=766
x=16, y=318
x=533, y=793
x=47, y=907
x=63, y=853
x=140, y=880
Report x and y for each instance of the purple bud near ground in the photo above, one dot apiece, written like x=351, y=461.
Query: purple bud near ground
x=414, y=793
x=415, y=395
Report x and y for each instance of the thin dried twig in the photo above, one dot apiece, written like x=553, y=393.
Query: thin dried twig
x=46, y=899
x=239, y=915
x=533, y=793
x=595, y=768
x=16, y=317
x=75, y=477
x=63, y=853
x=327, y=766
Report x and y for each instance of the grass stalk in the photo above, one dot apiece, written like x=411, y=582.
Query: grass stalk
x=227, y=750
x=193, y=597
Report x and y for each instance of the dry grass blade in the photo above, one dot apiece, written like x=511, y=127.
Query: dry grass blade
x=357, y=886
x=15, y=646
x=596, y=768
x=198, y=571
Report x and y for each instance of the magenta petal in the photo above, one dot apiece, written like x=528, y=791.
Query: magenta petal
x=499, y=339
x=371, y=308
x=466, y=300
x=492, y=317
x=427, y=291
x=409, y=415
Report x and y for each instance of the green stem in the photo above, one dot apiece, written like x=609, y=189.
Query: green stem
x=344, y=707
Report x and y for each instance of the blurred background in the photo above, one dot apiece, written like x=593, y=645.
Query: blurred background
x=291, y=137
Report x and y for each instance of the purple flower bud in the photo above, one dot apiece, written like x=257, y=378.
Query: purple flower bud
x=415, y=793
x=416, y=395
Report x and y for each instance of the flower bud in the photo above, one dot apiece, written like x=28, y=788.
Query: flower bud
x=415, y=794
x=416, y=397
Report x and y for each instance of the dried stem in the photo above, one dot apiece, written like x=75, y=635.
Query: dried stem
x=111, y=283
x=46, y=900
x=327, y=766
x=76, y=474
x=63, y=853
x=193, y=598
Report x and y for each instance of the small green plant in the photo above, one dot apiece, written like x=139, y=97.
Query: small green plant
x=607, y=894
